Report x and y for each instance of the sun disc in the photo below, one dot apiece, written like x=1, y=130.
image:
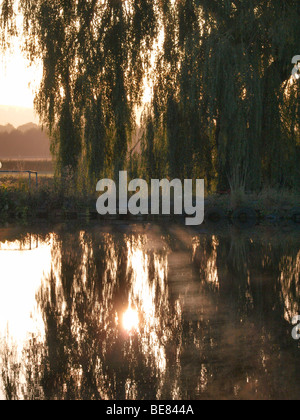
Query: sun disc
x=130, y=320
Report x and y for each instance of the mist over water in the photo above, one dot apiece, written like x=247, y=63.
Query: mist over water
x=148, y=312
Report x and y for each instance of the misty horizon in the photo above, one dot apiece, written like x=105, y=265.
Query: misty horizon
x=25, y=141
x=17, y=116
x=7, y=128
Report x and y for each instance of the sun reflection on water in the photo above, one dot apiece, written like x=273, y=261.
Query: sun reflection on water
x=149, y=293
x=22, y=268
x=131, y=320
x=131, y=315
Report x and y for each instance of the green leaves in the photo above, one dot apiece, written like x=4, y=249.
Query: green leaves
x=222, y=106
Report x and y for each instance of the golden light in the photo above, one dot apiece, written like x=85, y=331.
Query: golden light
x=130, y=320
x=19, y=82
x=23, y=267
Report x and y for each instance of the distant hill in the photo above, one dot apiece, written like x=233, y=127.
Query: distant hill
x=27, y=127
x=27, y=141
x=17, y=115
x=8, y=128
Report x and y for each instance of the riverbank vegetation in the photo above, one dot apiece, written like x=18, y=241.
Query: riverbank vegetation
x=53, y=200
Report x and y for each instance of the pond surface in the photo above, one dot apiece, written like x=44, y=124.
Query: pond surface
x=148, y=312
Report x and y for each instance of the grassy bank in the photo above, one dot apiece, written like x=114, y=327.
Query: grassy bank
x=20, y=201
x=51, y=199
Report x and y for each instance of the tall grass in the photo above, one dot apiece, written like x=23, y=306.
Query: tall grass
x=69, y=193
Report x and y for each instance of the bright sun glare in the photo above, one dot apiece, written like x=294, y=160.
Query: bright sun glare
x=130, y=320
x=18, y=80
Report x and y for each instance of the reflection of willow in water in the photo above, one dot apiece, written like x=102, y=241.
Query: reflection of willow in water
x=257, y=293
x=162, y=314
x=87, y=353
x=256, y=275
x=157, y=319
x=290, y=276
x=208, y=264
x=26, y=243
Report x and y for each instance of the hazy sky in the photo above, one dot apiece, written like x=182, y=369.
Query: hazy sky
x=18, y=82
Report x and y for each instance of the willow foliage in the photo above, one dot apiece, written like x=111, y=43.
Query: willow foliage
x=94, y=54
x=223, y=104
x=223, y=89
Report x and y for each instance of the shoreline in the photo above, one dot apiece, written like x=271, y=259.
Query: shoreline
x=52, y=201
x=245, y=215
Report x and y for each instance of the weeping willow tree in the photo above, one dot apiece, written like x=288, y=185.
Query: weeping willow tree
x=223, y=96
x=94, y=54
x=223, y=106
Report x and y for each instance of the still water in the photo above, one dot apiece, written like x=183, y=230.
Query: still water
x=148, y=312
